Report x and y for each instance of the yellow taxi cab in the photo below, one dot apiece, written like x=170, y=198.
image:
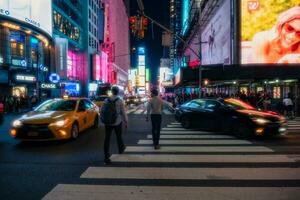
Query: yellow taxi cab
x=56, y=119
x=99, y=101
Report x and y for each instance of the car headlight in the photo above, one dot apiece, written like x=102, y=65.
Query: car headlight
x=261, y=120
x=17, y=124
x=60, y=123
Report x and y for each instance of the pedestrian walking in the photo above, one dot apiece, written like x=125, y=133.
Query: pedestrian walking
x=288, y=106
x=113, y=115
x=154, y=109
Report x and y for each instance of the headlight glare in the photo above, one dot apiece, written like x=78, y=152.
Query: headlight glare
x=17, y=123
x=260, y=120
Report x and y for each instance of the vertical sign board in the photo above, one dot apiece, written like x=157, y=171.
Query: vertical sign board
x=61, y=53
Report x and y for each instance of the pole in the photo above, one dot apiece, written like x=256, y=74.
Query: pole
x=37, y=77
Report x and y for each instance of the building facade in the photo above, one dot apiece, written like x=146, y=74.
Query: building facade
x=26, y=47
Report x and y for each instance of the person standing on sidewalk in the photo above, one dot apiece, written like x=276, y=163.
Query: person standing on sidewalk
x=113, y=115
x=154, y=108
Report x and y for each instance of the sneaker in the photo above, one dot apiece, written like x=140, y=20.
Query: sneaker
x=107, y=161
x=156, y=147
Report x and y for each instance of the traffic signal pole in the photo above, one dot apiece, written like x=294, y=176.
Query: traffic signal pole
x=142, y=13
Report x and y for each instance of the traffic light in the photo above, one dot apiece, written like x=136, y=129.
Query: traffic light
x=133, y=24
x=144, y=22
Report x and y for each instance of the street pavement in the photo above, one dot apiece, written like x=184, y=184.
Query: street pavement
x=191, y=164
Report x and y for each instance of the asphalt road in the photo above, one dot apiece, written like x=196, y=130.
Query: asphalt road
x=31, y=170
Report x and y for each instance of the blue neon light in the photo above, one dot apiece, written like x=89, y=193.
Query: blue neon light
x=185, y=15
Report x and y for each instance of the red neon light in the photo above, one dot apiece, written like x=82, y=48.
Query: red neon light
x=194, y=63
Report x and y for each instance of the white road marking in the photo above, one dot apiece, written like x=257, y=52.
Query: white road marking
x=192, y=136
x=178, y=149
x=165, y=158
x=192, y=173
x=117, y=192
x=188, y=142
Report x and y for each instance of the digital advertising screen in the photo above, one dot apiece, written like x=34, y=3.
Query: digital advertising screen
x=270, y=31
x=216, y=37
x=35, y=12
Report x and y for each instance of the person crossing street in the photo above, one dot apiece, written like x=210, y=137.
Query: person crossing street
x=154, y=109
x=113, y=115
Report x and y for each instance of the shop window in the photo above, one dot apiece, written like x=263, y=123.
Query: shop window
x=17, y=43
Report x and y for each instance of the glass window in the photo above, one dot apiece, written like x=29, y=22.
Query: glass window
x=57, y=105
x=81, y=105
x=211, y=105
x=88, y=104
x=197, y=104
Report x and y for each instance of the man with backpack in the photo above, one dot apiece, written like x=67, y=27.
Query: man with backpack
x=113, y=115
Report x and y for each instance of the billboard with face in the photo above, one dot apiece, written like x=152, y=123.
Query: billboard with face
x=215, y=38
x=270, y=31
x=37, y=13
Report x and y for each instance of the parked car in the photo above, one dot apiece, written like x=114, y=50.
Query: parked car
x=231, y=116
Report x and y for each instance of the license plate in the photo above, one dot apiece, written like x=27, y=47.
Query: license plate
x=31, y=133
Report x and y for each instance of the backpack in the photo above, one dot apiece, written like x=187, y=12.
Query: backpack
x=109, y=112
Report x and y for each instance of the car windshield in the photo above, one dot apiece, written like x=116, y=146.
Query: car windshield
x=57, y=105
x=238, y=104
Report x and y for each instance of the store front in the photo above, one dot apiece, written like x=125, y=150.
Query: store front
x=23, y=84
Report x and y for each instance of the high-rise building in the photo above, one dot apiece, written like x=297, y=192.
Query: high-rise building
x=175, y=25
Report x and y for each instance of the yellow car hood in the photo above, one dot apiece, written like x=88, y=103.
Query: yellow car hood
x=44, y=117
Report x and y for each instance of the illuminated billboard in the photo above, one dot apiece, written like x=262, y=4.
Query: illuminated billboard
x=216, y=36
x=36, y=13
x=270, y=31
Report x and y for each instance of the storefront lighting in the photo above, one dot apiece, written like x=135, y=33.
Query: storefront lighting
x=234, y=82
x=266, y=82
x=290, y=81
x=277, y=81
x=12, y=26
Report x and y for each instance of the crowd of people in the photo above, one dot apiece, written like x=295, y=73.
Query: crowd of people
x=15, y=104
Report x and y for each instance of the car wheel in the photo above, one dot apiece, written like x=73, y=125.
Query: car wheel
x=74, y=131
x=242, y=131
x=96, y=122
x=186, y=123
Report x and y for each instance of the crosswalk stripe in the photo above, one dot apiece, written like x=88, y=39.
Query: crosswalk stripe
x=185, y=132
x=192, y=136
x=183, y=149
x=203, y=158
x=187, y=142
x=118, y=192
x=192, y=173
x=174, y=126
x=174, y=129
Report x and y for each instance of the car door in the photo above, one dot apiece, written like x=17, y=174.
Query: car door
x=211, y=114
x=82, y=115
x=196, y=113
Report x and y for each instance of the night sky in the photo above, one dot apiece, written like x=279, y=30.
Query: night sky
x=158, y=10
